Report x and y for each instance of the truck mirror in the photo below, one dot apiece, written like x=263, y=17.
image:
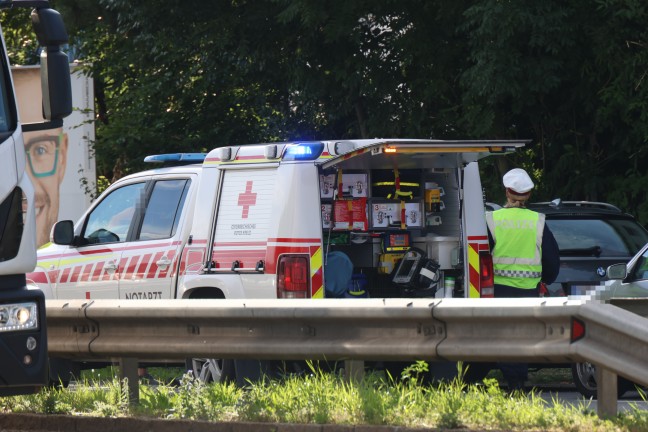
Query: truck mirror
x=49, y=28
x=55, y=69
x=63, y=232
x=56, y=85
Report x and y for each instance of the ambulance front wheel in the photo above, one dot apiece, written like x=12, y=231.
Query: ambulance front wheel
x=212, y=370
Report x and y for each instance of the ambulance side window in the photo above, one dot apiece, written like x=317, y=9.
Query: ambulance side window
x=164, y=209
x=110, y=220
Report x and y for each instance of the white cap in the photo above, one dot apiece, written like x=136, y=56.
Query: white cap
x=518, y=181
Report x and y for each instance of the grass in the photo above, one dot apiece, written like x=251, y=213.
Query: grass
x=326, y=398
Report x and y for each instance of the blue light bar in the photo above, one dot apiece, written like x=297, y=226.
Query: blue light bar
x=303, y=151
x=177, y=158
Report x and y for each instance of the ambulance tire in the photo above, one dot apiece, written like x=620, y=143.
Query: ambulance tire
x=212, y=370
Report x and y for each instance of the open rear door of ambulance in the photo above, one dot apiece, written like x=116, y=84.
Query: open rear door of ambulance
x=412, y=154
x=459, y=157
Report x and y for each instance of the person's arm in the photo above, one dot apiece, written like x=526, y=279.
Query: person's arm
x=550, y=257
x=491, y=241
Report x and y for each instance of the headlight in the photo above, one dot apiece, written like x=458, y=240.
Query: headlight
x=18, y=316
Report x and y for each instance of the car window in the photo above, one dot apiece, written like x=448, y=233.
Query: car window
x=110, y=220
x=163, y=209
x=640, y=270
x=614, y=237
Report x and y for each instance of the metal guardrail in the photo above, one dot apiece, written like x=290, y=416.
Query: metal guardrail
x=533, y=330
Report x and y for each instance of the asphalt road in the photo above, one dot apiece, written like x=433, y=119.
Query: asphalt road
x=630, y=401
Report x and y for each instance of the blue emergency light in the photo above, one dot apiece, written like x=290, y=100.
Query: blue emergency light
x=303, y=151
x=177, y=158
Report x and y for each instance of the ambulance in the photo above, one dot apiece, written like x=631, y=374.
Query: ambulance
x=309, y=220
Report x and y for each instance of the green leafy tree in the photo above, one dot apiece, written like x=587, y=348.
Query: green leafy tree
x=570, y=76
x=175, y=75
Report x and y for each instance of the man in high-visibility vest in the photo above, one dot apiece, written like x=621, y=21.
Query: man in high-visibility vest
x=525, y=253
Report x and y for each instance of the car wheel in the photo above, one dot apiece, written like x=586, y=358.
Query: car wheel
x=584, y=375
x=212, y=370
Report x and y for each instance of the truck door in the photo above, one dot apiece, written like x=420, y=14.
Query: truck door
x=150, y=262
x=92, y=268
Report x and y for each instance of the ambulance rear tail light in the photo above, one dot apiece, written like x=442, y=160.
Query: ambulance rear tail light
x=486, y=281
x=293, y=277
x=303, y=151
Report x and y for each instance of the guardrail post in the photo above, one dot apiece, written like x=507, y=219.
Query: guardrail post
x=353, y=370
x=606, y=382
x=128, y=370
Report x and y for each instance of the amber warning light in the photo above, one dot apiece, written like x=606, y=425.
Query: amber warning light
x=390, y=150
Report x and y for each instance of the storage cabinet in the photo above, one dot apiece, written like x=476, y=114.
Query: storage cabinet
x=372, y=200
x=371, y=204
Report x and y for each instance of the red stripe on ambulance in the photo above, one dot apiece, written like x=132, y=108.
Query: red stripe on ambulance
x=87, y=273
x=38, y=277
x=74, y=277
x=65, y=275
x=154, y=267
x=97, y=273
x=141, y=270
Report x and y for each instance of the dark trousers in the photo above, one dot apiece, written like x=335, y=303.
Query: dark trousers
x=503, y=291
x=515, y=374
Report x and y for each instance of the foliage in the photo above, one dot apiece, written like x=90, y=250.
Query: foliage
x=22, y=46
x=572, y=77
x=175, y=75
x=327, y=398
x=109, y=399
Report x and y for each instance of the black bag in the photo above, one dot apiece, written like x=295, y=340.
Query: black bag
x=416, y=272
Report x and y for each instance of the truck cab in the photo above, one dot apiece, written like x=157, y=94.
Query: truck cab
x=23, y=333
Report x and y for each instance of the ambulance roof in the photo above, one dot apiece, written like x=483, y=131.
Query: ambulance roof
x=364, y=153
x=183, y=169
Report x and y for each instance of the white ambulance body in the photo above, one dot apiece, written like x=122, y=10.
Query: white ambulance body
x=273, y=216
x=257, y=221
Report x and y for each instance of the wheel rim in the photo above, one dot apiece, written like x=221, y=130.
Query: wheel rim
x=586, y=373
x=207, y=370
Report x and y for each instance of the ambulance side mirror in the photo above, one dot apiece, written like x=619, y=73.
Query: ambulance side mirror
x=63, y=232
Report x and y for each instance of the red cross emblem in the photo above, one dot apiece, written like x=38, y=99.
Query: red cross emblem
x=247, y=199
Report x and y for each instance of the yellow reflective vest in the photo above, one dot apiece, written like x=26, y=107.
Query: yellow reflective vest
x=517, y=255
